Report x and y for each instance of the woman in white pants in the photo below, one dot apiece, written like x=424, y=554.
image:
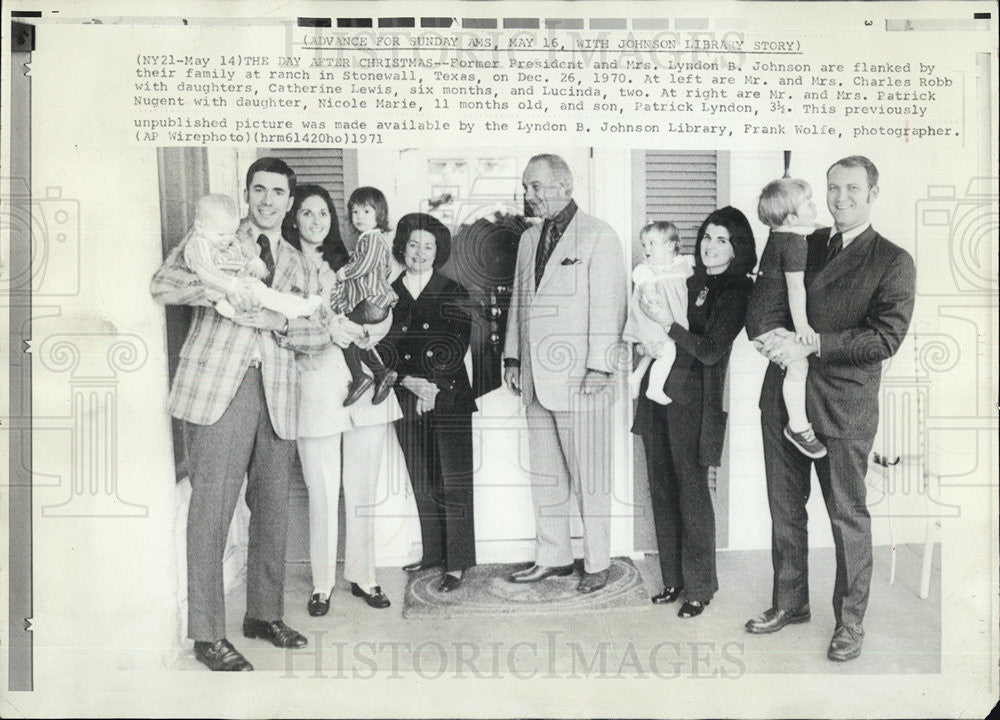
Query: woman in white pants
x=331, y=436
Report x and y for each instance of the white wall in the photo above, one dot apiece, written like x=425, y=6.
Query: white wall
x=104, y=490
x=504, y=515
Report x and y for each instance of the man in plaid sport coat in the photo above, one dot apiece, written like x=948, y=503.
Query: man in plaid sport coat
x=235, y=388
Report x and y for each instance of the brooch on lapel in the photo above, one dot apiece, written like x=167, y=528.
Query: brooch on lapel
x=571, y=261
x=702, y=296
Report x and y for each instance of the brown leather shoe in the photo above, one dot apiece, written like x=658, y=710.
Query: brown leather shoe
x=221, y=656
x=846, y=644
x=773, y=620
x=276, y=631
x=592, y=582
x=537, y=573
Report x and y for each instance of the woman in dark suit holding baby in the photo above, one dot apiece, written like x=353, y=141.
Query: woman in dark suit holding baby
x=427, y=346
x=684, y=438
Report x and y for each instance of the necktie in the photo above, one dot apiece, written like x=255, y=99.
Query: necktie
x=545, y=244
x=835, y=246
x=267, y=257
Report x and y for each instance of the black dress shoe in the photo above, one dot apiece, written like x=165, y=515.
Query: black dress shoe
x=846, y=644
x=537, y=573
x=221, y=655
x=692, y=608
x=319, y=604
x=592, y=582
x=773, y=620
x=667, y=596
x=449, y=582
x=356, y=389
x=421, y=565
x=276, y=631
x=376, y=598
x=383, y=385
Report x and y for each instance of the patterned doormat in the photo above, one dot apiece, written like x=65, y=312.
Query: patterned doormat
x=485, y=590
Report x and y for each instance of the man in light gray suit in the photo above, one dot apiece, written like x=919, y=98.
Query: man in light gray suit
x=562, y=351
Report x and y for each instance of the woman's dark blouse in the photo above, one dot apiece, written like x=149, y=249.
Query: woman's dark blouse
x=698, y=376
x=429, y=339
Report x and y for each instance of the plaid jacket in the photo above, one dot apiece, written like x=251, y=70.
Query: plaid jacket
x=217, y=351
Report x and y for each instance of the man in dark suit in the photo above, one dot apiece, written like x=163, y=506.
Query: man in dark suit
x=859, y=290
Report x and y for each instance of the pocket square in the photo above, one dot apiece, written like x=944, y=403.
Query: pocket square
x=571, y=261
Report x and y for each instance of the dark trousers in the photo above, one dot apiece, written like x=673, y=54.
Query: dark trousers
x=242, y=442
x=438, y=452
x=682, y=503
x=365, y=312
x=842, y=479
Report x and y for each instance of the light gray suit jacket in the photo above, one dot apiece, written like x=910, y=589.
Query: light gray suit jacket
x=574, y=321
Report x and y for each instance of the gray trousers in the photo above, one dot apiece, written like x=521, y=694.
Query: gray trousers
x=842, y=480
x=571, y=456
x=242, y=442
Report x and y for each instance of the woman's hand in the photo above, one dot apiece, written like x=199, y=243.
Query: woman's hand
x=656, y=308
x=424, y=389
x=343, y=332
x=374, y=332
x=423, y=406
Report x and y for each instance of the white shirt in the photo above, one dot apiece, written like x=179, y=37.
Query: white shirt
x=415, y=284
x=849, y=235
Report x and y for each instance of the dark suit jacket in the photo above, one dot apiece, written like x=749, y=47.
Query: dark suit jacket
x=429, y=339
x=860, y=304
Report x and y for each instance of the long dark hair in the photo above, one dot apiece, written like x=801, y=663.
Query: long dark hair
x=740, y=237
x=332, y=248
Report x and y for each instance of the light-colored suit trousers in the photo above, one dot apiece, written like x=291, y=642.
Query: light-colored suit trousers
x=321, y=470
x=572, y=454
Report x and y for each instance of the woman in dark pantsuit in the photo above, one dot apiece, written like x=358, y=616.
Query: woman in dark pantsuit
x=427, y=346
x=684, y=438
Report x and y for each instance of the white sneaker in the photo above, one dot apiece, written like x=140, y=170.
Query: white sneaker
x=806, y=442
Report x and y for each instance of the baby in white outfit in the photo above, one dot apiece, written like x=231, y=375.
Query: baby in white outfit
x=665, y=272
x=227, y=261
